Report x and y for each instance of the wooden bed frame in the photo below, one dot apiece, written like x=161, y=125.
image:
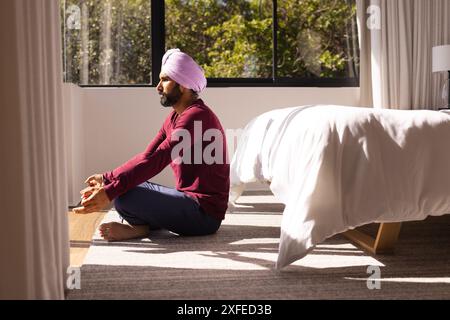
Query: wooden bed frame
x=383, y=243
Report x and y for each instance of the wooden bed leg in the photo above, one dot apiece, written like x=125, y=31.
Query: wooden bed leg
x=383, y=243
x=387, y=237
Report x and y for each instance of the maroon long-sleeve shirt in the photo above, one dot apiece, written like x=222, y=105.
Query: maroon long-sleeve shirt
x=203, y=173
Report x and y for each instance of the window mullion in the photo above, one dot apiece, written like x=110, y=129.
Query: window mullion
x=158, y=37
x=275, y=41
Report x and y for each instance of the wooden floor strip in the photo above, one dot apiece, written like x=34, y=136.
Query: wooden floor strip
x=81, y=229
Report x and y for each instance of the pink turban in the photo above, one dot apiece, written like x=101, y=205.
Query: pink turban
x=181, y=68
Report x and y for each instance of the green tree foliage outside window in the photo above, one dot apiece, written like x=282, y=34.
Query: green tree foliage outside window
x=317, y=39
x=106, y=42
x=233, y=39
x=229, y=38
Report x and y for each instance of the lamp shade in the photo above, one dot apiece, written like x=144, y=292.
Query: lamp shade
x=441, y=58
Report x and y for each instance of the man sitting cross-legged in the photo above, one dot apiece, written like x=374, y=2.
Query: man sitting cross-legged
x=192, y=141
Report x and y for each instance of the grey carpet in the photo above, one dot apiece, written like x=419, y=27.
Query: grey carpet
x=237, y=263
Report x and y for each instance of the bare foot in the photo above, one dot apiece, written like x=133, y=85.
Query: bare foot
x=115, y=231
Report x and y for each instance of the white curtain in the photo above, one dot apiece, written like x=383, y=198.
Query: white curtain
x=396, y=57
x=34, y=244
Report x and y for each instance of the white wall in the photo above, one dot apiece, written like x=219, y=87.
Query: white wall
x=74, y=138
x=110, y=125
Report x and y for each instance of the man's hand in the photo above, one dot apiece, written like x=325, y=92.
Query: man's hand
x=96, y=180
x=93, y=199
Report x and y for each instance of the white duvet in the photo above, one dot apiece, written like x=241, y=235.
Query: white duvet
x=337, y=167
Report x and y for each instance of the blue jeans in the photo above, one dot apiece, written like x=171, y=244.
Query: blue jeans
x=161, y=207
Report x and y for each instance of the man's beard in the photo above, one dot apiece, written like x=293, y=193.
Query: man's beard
x=171, y=98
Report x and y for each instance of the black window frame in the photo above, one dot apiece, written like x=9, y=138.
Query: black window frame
x=158, y=50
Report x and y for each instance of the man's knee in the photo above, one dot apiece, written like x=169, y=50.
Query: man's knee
x=120, y=203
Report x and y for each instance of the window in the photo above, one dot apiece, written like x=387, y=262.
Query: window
x=317, y=39
x=107, y=42
x=237, y=42
x=230, y=39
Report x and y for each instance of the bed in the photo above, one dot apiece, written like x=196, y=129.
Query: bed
x=339, y=167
